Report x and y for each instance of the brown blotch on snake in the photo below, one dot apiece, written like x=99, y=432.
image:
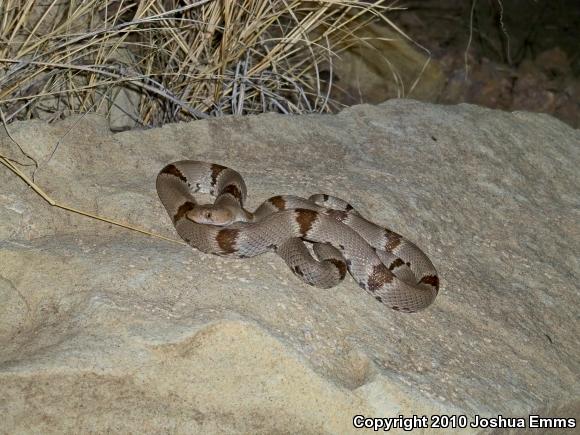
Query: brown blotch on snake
x=341, y=267
x=379, y=276
x=393, y=240
x=234, y=191
x=172, y=170
x=305, y=219
x=226, y=240
x=431, y=280
x=183, y=210
x=278, y=202
x=215, y=171
x=396, y=263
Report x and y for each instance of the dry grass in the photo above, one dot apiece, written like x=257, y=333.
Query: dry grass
x=161, y=61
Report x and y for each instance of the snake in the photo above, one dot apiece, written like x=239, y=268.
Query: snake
x=320, y=238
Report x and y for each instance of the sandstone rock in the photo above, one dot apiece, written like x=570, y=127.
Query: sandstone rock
x=104, y=329
x=384, y=65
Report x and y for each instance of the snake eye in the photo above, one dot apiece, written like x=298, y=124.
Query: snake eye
x=208, y=214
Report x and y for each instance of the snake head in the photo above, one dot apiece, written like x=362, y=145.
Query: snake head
x=208, y=214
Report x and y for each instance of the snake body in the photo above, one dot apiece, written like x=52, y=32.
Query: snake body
x=390, y=268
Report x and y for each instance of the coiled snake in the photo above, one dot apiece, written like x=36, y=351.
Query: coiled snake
x=390, y=268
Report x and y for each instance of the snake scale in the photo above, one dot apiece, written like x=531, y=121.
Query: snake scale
x=390, y=268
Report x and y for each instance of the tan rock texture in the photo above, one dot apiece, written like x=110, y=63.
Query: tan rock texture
x=107, y=330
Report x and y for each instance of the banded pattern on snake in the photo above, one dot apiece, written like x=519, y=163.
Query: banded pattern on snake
x=390, y=268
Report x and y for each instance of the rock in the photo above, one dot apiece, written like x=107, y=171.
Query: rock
x=383, y=65
x=545, y=84
x=554, y=62
x=105, y=329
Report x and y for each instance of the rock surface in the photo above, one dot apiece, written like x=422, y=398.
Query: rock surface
x=104, y=329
